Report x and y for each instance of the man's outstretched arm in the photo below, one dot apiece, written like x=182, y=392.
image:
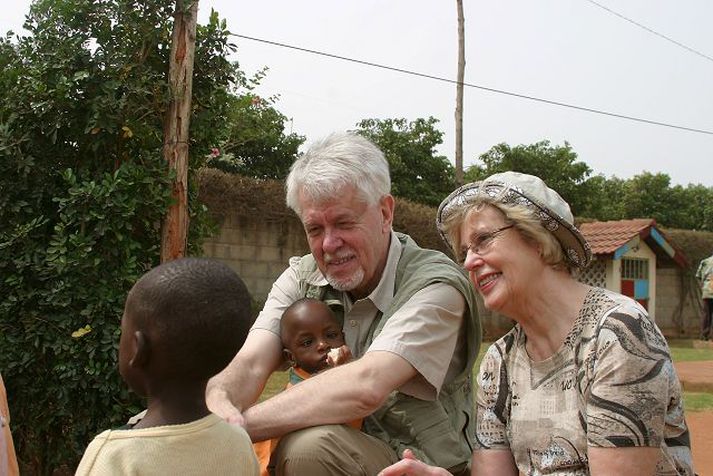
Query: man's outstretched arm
x=239, y=385
x=338, y=395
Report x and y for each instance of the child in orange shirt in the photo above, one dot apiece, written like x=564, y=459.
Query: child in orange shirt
x=313, y=341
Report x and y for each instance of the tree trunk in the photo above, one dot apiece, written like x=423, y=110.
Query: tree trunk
x=459, y=93
x=174, y=235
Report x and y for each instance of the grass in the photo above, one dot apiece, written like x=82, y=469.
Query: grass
x=687, y=354
x=275, y=384
x=697, y=402
x=683, y=351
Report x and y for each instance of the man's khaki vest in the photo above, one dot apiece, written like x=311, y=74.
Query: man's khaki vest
x=438, y=432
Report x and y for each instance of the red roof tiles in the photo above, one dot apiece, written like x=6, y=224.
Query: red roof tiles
x=609, y=238
x=605, y=237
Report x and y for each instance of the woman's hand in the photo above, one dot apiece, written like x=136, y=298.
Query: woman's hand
x=410, y=466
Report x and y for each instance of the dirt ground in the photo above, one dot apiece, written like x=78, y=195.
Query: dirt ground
x=700, y=424
x=698, y=377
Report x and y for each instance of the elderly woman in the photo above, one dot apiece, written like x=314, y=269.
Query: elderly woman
x=583, y=383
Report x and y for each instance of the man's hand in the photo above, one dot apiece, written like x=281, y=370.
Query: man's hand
x=239, y=385
x=219, y=403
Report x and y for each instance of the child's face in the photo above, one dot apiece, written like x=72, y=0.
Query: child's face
x=309, y=334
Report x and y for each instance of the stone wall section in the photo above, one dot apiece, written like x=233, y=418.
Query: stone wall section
x=257, y=250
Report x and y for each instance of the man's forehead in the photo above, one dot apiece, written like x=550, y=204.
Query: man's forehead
x=329, y=213
x=345, y=205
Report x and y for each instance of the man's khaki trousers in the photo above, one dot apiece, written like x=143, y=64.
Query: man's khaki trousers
x=330, y=450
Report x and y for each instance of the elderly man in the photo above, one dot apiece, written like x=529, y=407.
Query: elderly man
x=409, y=317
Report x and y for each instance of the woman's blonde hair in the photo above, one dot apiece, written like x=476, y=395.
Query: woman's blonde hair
x=524, y=220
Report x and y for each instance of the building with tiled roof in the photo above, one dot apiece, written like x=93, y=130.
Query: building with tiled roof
x=627, y=257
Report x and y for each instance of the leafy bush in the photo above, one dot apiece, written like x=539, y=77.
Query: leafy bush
x=417, y=172
x=255, y=144
x=83, y=191
x=64, y=288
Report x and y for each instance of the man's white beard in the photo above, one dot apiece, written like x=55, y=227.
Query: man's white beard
x=348, y=283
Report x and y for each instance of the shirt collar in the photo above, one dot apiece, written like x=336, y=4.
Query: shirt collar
x=383, y=294
x=314, y=278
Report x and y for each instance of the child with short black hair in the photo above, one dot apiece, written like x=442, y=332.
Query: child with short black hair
x=183, y=322
x=312, y=340
x=310, y=331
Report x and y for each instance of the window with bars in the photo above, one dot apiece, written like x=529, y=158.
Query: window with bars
x=634, y=268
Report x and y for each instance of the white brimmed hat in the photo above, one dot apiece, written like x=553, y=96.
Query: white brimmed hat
x=515, y=188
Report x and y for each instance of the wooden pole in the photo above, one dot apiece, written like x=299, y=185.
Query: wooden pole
x=174, y=236
x=459, y=94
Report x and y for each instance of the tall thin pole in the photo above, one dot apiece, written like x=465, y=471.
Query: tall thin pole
x=459, y=93
x=174, y=236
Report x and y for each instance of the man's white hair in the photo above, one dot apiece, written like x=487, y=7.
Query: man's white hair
x=339, y=160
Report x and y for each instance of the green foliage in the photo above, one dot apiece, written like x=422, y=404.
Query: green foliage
x=645, y=195
x=83, y=192
x=607, y=198
x=63, y=274
x=651, y=195
x=255, y=144
x=417, y=173
x=556, y=165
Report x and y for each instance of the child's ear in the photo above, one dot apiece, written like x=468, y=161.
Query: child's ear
x=141, y=350
x=289, y=356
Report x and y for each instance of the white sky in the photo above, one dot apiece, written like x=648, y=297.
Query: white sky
x=564, y=50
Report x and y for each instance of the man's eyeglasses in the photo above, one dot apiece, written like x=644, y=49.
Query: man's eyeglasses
x=480, y=243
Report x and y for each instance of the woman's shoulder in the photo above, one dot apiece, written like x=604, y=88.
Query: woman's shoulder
x=624, y=309
x=628, y=322
x=601, y=304
x=625, y=302
x=505, y=346
x=607, y=316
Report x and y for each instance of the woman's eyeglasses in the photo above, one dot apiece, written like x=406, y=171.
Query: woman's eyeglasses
x=480, y=243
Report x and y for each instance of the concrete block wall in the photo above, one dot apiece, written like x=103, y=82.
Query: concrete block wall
x=258, y=250
x=677, y=306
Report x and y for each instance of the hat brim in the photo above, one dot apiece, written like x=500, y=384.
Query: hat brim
x=576, y=249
